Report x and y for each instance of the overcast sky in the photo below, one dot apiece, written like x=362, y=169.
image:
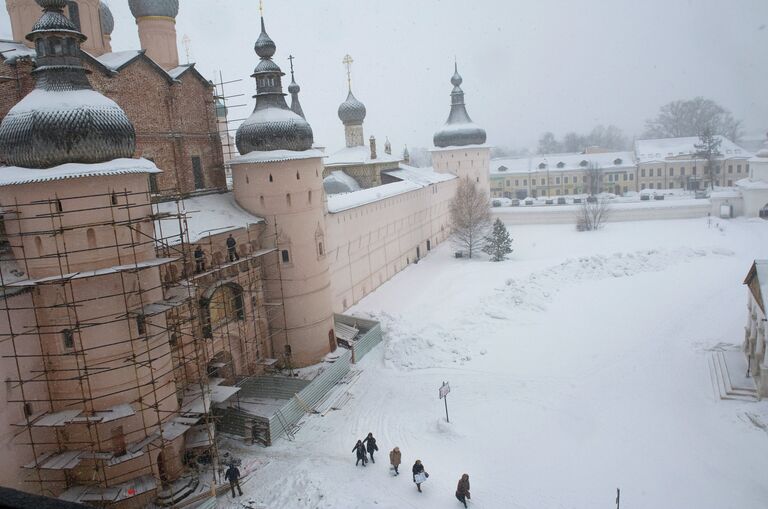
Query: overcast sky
x=529, y=66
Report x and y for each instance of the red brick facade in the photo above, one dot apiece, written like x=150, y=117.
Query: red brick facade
x=175, y=120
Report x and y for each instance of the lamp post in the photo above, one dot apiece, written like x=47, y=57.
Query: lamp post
x=546, y=165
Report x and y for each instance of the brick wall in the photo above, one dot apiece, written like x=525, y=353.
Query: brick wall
x=174, y=120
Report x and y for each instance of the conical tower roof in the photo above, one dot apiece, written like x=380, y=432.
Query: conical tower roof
x=459, y=130
x=272, y=125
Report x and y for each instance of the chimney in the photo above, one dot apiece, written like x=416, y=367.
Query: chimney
x=406, y=156
x=373, y=147
x=387, y=147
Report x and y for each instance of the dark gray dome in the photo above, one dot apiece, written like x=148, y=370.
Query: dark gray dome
x=265, y=47
x=267, y=65
x=143, y=8
x=63, y=120
x=294, y=87
x=352, y=111
x=107, y=20
x=272, y=125
x=459, y=130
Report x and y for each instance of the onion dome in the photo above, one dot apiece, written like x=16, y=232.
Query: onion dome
x=107, y=20
x=272, y=125
x=352, y=111
x=459, y=130
x=294, y=90
x=63, y=120
x=144, y=8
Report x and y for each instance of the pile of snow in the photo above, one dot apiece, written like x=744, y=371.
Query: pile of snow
x=410, y=345
x=339, y=182
x=534, y=292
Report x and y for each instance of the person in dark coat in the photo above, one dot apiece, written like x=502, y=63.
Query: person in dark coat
x=462, y=490
x=370, y=444
x=417, y=469
x=199, y=260
x=359, y=448
x=231, y=245
x=233, y=476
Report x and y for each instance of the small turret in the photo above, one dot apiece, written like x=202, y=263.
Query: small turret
x=459, y=130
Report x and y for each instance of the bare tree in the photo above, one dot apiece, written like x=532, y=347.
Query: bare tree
x=470, y=216
x=594, y=174
x=708, y=149
x=689, y=118
x=592, y=214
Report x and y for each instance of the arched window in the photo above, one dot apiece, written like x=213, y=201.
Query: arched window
x=542, y=166
x=39, y=246
x=270, y=178
x=223, y=305
x=91, y=236
x=288, y=199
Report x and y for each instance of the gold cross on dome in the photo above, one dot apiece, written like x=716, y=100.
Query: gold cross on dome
x=348, y=64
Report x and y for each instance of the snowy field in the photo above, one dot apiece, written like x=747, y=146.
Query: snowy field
x=577, y=367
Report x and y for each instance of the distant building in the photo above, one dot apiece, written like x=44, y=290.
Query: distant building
x=563, y=174
x=672, y=163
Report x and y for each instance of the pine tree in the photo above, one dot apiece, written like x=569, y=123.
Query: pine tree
x=498, y=244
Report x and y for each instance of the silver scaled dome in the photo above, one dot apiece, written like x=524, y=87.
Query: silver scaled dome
x=143, y=8
x=107, y=20
x=272, y=125
x=459, y=130
x=352, y=111
x=63, y=120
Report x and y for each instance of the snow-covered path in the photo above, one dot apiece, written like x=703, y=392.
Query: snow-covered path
x=576, y=367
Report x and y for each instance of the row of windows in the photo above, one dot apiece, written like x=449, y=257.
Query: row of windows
x=694, y=170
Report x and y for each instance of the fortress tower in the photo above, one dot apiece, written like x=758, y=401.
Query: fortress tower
x=79, y=222
x=460, y=145
x=91, y=17
x=156, y=20
x=280, y=178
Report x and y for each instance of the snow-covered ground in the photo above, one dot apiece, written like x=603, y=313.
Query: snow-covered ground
x=577, y=367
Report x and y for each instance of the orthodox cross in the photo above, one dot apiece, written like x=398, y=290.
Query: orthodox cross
x=291, y=57
x=348, y=64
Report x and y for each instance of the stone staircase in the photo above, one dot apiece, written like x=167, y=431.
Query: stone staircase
x=728, y=384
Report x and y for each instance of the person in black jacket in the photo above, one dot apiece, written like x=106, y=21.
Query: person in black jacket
x=370, y=444
x=233, y=476
x=417, y=469
x=359, y=448
x=231, y=248
x=199, y=260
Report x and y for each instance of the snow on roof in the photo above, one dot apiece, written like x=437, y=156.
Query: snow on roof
x=563, y=162
x=117, y=59
x=11, y=50
x=342, y=202
x=423, y=176
x=676, y=148
x=209, y=214
x=752, y=184
x=339, y=182
x=271, y=156
x=178, y=71
x=359, y=155
x=15, y=175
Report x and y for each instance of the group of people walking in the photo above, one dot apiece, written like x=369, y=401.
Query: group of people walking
x=367, y=447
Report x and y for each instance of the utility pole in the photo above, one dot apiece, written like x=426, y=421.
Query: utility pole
x=618, y=498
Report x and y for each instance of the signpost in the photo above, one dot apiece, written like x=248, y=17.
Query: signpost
x=444, y=390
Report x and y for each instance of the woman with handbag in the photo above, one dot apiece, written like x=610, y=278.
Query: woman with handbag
x=419, y=474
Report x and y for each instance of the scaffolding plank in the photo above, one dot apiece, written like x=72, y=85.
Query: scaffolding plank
x=49, y=420
x=200, y=436
x=92, y=273
x=116, y=412
x=66, y=460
